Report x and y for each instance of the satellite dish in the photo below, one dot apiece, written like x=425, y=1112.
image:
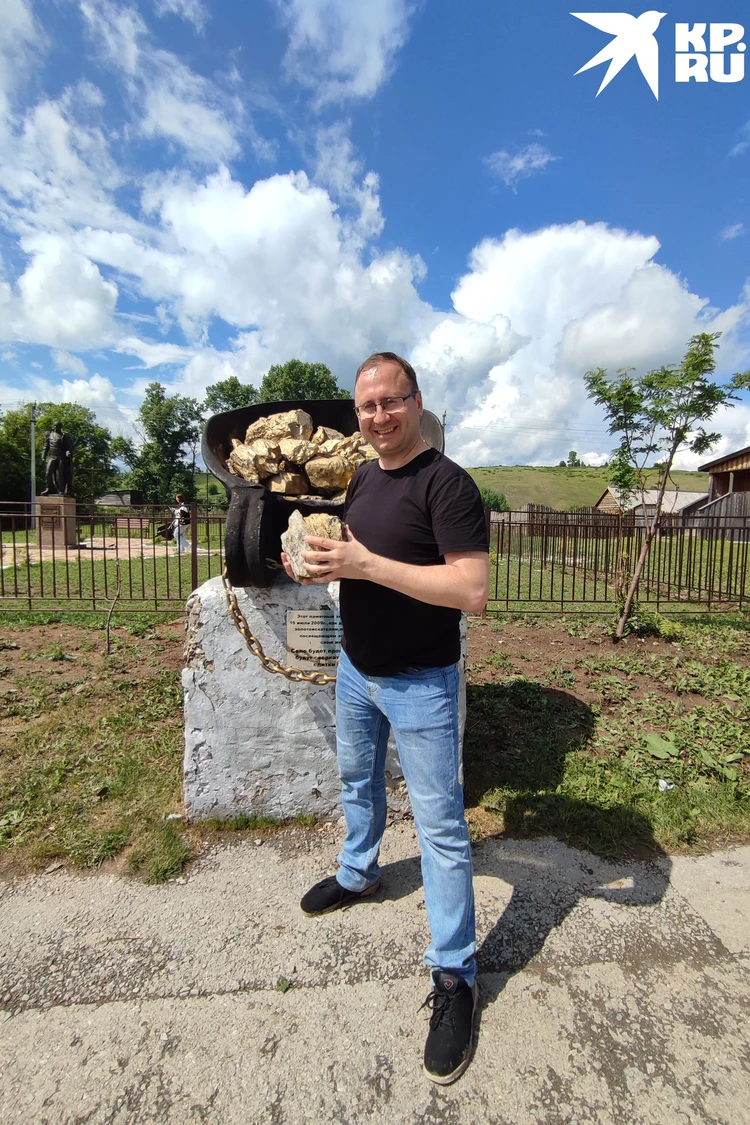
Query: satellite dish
x=432, y=431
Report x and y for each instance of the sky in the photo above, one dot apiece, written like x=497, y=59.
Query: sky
x=191, y=189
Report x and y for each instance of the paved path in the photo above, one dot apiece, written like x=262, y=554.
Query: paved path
x=610, y=993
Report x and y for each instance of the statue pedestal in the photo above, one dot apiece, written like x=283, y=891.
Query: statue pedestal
x=256, y=742
x=56, y=522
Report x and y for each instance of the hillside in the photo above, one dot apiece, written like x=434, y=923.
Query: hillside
x=561, y=488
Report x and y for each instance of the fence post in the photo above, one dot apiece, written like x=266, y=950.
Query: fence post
x=194, y=544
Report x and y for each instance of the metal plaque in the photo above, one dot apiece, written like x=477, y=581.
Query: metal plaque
x=313, y=638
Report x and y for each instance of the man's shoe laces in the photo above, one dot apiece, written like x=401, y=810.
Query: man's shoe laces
x=442, y=1008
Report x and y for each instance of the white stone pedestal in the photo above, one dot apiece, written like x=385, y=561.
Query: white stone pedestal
x=256, y=742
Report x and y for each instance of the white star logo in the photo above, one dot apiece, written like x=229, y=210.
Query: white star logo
x=633, y=36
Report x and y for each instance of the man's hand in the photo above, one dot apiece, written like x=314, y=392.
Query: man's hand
x=332, y=559
x=300, y=581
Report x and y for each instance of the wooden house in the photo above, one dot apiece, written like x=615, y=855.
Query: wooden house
x=729, y=488
x=676, y=503
x=728, y=474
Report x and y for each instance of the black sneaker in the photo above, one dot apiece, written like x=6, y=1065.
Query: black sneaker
x=328, y=895
x=450, y=1040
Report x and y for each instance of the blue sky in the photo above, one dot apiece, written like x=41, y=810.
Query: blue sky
x=192, y=189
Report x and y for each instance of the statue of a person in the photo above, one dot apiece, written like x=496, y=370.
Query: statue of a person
x=58, y=451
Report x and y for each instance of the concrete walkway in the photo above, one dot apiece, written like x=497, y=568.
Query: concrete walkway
x=610, y=993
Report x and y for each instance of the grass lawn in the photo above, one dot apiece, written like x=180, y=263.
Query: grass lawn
x=567, y=734
x=149, y=580
x=571, y=736
x=90, y=744
x=561, y=488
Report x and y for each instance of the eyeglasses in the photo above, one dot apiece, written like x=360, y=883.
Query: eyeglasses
x=389, y=405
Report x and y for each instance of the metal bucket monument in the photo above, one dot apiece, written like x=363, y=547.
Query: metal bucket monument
x=261, y=650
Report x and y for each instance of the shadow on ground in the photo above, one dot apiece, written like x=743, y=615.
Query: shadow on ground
x=518, y=736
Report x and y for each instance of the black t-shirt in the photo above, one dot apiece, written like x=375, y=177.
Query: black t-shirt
x=416, y=514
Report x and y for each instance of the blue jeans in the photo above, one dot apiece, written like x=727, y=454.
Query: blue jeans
x=421, y=706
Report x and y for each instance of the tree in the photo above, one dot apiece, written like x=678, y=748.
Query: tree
x=163, y=462
x=494, y=500
x=659, y=413
x=574, y=461
x=297, y=380
x=562, y=464
x=93, y=471
x=228, y=394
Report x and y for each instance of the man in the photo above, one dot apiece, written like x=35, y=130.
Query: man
x=416, y=555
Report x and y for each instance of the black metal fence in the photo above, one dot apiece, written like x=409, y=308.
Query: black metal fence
x=540, y=561
x=560, y=563
x=86, y=560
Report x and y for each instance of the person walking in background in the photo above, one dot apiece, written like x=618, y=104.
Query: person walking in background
x=180, y=521
x=415, y=557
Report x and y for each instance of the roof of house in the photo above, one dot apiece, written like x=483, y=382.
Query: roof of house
x=674, y=500
x=720, y=460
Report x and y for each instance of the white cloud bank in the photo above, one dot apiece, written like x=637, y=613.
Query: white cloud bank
x=292, y=266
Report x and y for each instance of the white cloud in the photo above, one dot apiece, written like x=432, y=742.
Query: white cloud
x=56, y=171
x=733, y=423
x=180, y=117
x=69, y=364
x=510, y=167
x=629, y=327
x=191, y=10
x=456, y=359
x=743, y=144
x=175, y=103
x=94, y=392
x=276, y=261
x=338, y=168
x=736, y=230
x=60, y=300
x=343, y=50
x=595, y=460
x=584, y=295
x=19, y=35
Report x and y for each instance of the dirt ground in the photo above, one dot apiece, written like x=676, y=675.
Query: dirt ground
x=534, y=648
x=57, y=677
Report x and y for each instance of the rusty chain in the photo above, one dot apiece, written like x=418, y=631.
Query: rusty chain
x=296, y=675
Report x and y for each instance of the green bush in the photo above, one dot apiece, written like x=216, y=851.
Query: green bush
x=494, y=500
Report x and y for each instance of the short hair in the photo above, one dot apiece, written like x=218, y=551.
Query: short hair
x=389, y=357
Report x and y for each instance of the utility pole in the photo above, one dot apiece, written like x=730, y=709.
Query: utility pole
x=33, y=466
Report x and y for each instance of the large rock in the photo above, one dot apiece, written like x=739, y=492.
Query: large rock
x=288, y=484
x=274, y=427
x=297, y=451
x=255, y=742
x=268, y=459
x=325, y=433
x=242, y=462
x=293, y=539
x=330, y=473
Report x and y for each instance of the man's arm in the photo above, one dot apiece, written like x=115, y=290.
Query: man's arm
x=463, y=583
